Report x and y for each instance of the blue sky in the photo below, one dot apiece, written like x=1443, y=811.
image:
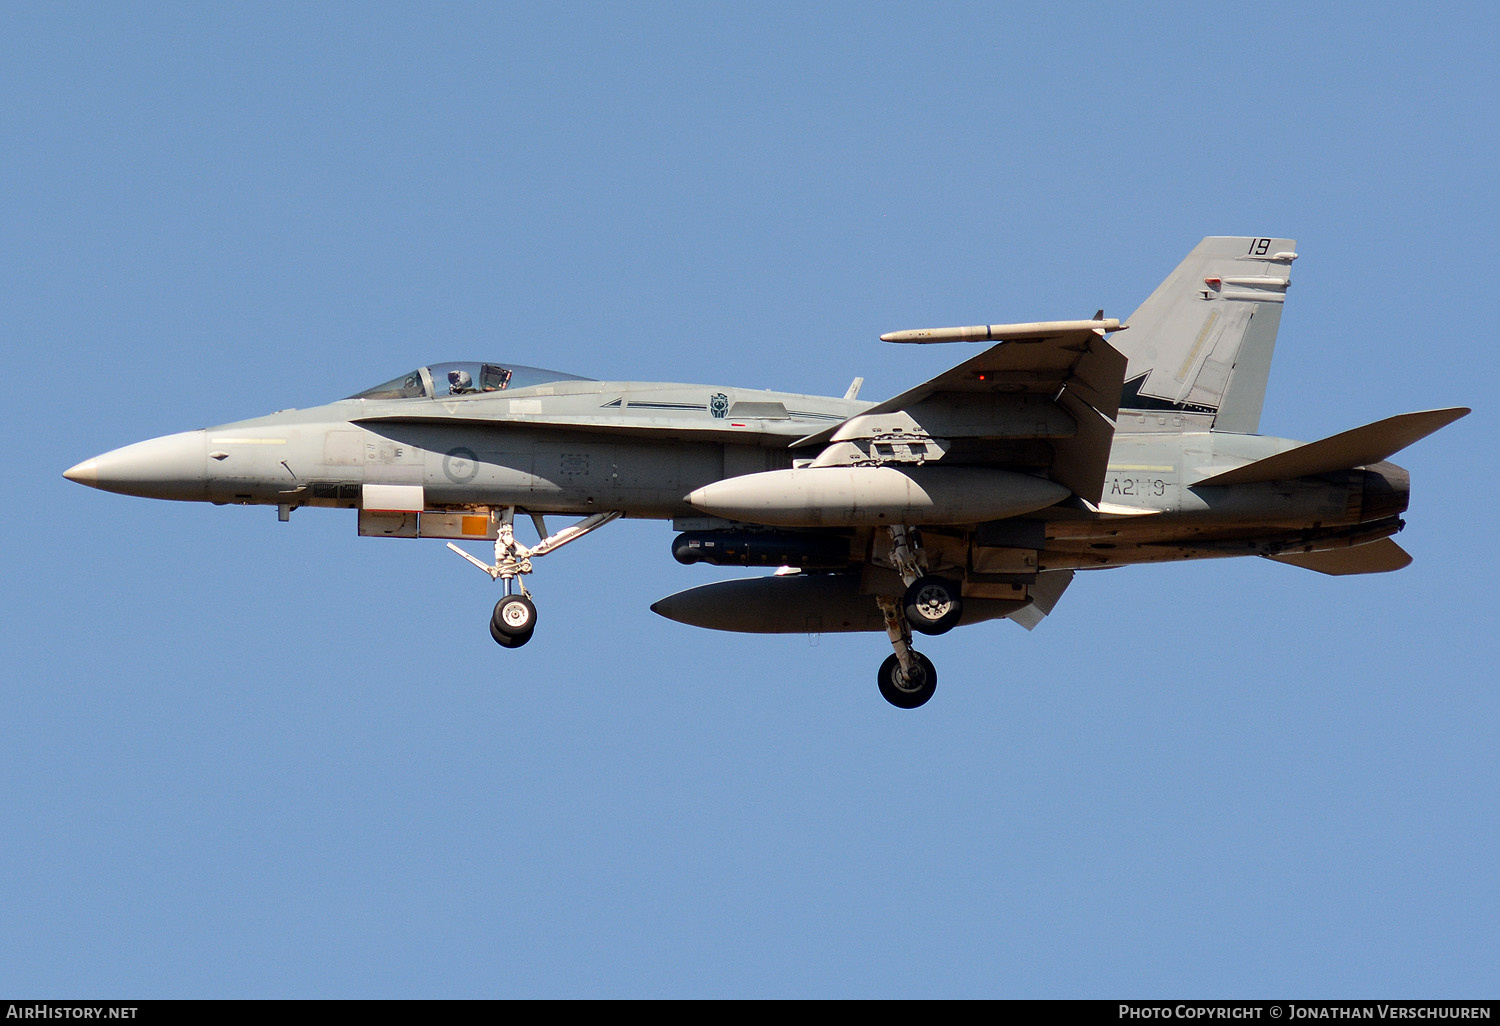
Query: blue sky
x=244, y=758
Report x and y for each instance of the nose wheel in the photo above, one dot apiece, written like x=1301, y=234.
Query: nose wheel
x=513, y=622
x=505, y=640
x=514, y=619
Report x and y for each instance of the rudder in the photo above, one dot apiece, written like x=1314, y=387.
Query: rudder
x=1202, y=342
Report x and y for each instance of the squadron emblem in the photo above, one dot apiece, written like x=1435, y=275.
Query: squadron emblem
x=718, y=405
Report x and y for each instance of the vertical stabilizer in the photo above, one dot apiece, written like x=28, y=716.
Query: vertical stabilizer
x=1202, y=343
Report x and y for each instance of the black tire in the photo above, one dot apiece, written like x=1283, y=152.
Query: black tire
x=933, y=605
x=514, y=616
x=506, y=640
x=905, y=694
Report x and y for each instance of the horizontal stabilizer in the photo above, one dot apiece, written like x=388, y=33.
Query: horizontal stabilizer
x=1379, y=557
x=1359, y=447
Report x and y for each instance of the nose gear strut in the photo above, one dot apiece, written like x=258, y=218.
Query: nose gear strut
x=514, y=618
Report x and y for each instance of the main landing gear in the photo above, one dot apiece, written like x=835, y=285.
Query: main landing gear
x=514, y=619
x=907, y=678
x=932, y=605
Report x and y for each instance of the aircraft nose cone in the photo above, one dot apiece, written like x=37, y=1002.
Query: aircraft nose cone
x=170, y=467
x=85, y=473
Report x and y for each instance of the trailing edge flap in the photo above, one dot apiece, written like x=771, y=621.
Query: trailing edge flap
x=1065, y=361
x=1379, y=557
x=1357, y=448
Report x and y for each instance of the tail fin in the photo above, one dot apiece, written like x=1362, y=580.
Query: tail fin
x=1202, y=343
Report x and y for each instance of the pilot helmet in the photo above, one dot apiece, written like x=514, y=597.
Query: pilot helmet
x=458, y=379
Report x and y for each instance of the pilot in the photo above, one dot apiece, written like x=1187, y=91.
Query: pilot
x=459, y=382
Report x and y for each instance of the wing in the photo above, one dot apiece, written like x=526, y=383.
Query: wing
x=1043, y=401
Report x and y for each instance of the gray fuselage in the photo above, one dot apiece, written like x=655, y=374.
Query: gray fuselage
x=581, y=447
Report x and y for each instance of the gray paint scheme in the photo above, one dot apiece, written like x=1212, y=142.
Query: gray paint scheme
x=1172, y=471
x=1203, y=341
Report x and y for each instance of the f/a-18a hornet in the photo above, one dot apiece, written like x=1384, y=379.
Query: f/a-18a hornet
x=974, y=496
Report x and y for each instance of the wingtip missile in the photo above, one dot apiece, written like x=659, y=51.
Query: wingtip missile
x=1000, y=332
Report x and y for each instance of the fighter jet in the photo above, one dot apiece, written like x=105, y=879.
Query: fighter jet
x=978, y=495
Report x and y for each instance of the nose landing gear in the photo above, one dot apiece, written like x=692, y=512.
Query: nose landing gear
x=514, y=618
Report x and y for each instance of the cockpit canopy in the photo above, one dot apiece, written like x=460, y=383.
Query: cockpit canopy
x=450, y=379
